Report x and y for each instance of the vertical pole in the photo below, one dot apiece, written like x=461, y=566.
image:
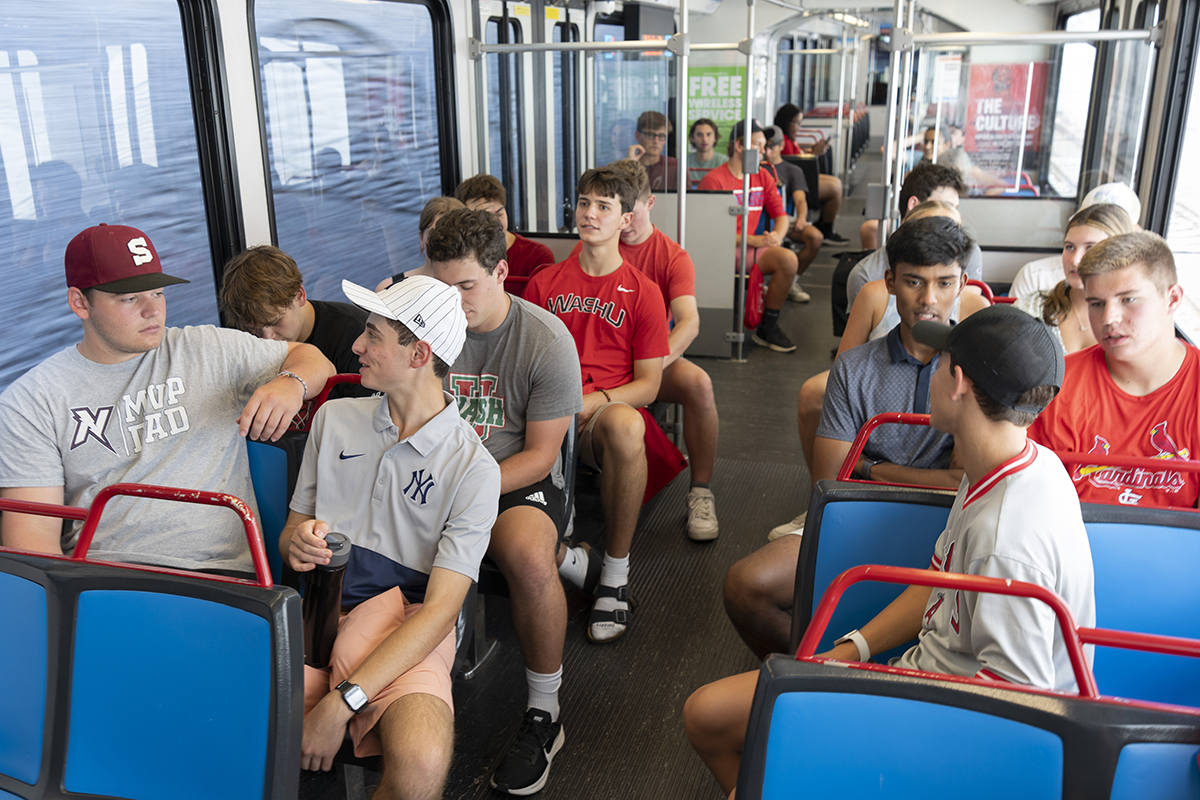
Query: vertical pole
x=853, y=105
x=747, y=87
x=1016, y=187
x=890, y=150
x=681, y=105
x=902, y=127
x=840, y=154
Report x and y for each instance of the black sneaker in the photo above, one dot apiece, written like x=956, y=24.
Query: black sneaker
x=527, y=766
x=832, y=239
x=775, y=339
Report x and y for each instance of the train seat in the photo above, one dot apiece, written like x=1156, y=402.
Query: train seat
x=930, y=737
x=142, y=683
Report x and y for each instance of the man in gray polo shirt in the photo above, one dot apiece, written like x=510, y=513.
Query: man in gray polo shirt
x=516, y=380
x=412, y=487
x=885, y=375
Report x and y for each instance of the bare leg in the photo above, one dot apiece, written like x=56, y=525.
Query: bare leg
x=829, y=190
x=810, y=401
x=868, y=232
x=418, y=742
x=715, y=719
x=618, y=439
x=685, y=383
x=812, y=240
x=523, y=547
x=758, y=595
x=781, y=264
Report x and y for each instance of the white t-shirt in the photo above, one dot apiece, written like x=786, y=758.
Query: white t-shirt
x=1037, y=276
x=1021, y=521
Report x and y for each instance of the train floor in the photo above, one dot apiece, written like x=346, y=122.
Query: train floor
x=621, y=702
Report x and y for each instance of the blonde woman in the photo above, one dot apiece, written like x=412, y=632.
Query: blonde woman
x=1064, y=307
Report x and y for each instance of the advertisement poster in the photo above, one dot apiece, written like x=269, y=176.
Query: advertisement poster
x=1001, y=100
x=716, y=93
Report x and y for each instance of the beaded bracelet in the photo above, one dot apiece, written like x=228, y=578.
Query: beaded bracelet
x=289, y=374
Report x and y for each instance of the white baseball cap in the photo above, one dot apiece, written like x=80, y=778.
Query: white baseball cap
x=1118, y=194
x=430, y=309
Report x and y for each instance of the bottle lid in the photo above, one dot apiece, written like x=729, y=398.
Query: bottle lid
x=339, y=545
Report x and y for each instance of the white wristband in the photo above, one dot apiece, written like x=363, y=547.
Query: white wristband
x=860, y=642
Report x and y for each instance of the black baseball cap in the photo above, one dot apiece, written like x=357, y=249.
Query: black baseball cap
x=1003, y=350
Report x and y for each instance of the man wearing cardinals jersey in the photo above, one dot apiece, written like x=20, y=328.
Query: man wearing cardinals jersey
x=1016, y=517
x=1136, y=392
x=617, y=318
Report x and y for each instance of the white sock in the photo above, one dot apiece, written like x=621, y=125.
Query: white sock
x=615, y=572
x=574, y=566
x=543, y=691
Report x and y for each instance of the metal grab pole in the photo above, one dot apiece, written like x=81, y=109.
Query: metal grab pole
x=840, y=153
x=889, y=144
x=681, y=117
x=747, y=136
x=902, y=121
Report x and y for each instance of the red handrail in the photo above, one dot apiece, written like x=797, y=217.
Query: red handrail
x=953, y=580
x=1148, y=642
x=304, y=417
x=91, y=519
x=846, y=473
x=984, y=289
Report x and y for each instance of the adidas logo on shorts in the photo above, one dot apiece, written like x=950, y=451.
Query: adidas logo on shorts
x=537, y=497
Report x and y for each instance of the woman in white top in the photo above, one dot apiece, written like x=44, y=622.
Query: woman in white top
x=1064, y=307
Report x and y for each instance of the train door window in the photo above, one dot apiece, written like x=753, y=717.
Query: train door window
x=350, y=99
x=1076, y=64
x=96, y=125
x=628, y=85
x=1183, y=224
x=566, y=153
x=784, y=61
x=506, y=128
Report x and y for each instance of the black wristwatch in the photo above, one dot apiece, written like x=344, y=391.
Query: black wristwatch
x=354, y=696
x=865, y=472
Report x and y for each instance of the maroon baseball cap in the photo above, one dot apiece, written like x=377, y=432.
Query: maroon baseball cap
x=116, y=259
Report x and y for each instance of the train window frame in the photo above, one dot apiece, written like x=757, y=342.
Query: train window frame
x=510, y=72
x=569, y=67
x=446, y=101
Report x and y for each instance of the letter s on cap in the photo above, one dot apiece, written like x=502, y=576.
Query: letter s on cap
x=141, y=253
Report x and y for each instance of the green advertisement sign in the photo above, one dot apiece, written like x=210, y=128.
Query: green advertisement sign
x=717, y=93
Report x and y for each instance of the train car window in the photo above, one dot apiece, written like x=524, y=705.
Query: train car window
x=627, y=85
x=566, y=153
x=350, y=99
x=1073, y=90
x=506, y=123
x=96, y=125
x=1183, y=224
x=784, y=65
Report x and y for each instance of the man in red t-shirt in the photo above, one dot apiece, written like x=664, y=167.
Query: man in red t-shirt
x=778, y=262
x=663, y=261
x=525, y=256
x=1137, y=392
x=617, y=318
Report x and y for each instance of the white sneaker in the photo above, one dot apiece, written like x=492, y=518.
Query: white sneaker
x=797, y=294
x=702, y=515
x=793, y=528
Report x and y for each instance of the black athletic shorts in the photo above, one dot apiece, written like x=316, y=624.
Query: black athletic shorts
x=543, y=495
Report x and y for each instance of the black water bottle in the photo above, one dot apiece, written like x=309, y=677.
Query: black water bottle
x=323, y=602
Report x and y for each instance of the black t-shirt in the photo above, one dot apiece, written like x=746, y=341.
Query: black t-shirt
x=793, y=180
x=335, y=327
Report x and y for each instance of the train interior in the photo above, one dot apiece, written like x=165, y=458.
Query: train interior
x=324, y=126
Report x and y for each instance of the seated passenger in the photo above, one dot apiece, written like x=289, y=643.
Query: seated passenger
x=516, y=381
x=136, y=401
x=410, y=485
x=829, y=187
x=524, y=256
x=430, y=214
x=663, y=261
x=887, y=374
x=924, y=183
x=873, y=314
x=618, y=321
x=1044, y=274
x=1015, y=517
x=704, y=156
x=263, y=293
x=791, y=179
x=1137, y=392
x=1064, y=307
x=653, y=128
x=764, y=249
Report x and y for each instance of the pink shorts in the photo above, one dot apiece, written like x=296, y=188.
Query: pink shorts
x=753, y=254
x=359, y=633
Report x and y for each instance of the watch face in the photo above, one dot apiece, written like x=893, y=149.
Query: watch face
x=354, y=696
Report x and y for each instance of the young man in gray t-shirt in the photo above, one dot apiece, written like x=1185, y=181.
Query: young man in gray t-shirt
x=516, y=380
x=136, y=401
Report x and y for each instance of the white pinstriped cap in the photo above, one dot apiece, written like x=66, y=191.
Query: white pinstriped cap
x=432, y=310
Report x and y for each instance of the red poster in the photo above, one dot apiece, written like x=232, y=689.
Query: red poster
x=1003, y=99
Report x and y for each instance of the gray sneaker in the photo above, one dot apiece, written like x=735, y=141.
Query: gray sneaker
x=702, y=516
x=775, y=339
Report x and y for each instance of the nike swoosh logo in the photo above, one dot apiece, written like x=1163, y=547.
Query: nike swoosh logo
x=343, y=455
x=621, y=288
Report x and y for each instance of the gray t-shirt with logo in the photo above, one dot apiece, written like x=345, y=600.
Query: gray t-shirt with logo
x=526, y=370
x=167, y=417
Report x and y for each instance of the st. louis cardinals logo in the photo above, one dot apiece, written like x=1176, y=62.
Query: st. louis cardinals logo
x=478, y=404
x=1129, y=478
x=91, y=424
